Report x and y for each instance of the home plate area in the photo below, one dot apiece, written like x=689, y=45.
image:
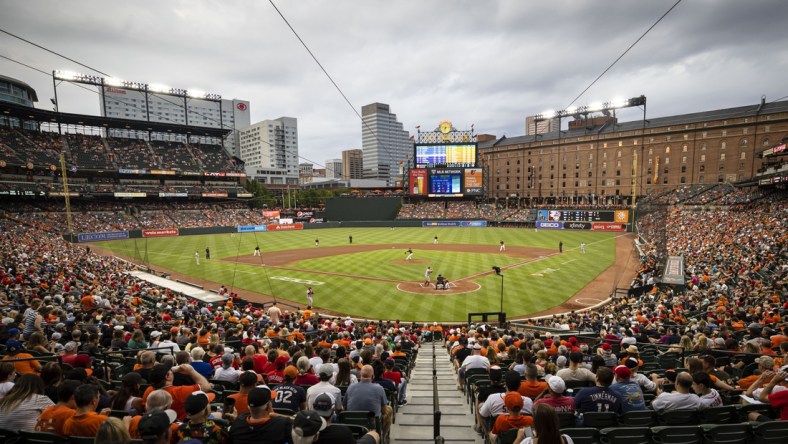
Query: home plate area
x=457, y=287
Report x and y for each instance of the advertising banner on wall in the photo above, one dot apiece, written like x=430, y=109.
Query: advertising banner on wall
x=166, y=232
x=252, y=228
x=454, y=223
x=125, y=194
x=472, y=180
x=577, y=225
x=168, y=194
x=284, y=227
x=271, y=214
x=549, y=225
x=602, y=226
x=95, y=237
x=418, y=181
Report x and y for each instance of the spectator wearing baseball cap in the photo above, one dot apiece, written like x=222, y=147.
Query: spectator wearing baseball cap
x=16, y=350
x=554, y=396
x=514, y=419
x=293, y=396
x=325, y=373
x=765, y=364
x=325, y=406
x=154, y=427
x=629, y=390
x=198, y=424
x=259, y=425
x=306, y=427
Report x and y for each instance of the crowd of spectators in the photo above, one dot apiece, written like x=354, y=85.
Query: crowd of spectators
x=42, y=149
x=82, y=340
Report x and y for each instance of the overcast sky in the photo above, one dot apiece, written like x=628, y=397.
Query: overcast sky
x=487, y=63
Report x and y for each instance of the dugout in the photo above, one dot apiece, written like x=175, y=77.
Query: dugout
x=362, y=208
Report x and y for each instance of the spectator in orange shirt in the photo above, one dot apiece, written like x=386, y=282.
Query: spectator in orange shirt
x=765, y=364
x=532, y=387
x=248, y=382
x=514, y=420
x=53, y=418
x=86, y=421
x=162, y=377
x=16, y=350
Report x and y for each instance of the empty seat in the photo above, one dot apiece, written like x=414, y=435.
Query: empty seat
x=582, y=435
x=625, y=435
x=725, y=433
x=677, y=434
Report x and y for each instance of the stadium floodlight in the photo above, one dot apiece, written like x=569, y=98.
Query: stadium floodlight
x=618, y=102
x=113, y=81
x=571, y=110
x=596, y=106
x=195, y=93
x=66, y=75
x=548, y=114
x=159, y=88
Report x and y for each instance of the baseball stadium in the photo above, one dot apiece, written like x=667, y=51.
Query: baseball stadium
x=600, y=279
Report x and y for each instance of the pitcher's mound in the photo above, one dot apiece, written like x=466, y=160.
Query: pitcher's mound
x=414, y=261
x=458, y=287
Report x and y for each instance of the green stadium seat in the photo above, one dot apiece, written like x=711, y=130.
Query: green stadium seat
x=679, y=417
x=677, y=435
x=625, y=435
x=719, y=415
x=582, y=435
x=638, y=418
x=772, y=432
x=726, y=433
x=42, y=438
x=600, y=420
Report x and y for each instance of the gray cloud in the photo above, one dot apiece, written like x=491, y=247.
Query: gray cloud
x=485, y=63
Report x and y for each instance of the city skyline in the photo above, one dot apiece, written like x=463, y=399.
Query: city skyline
x=489, y=64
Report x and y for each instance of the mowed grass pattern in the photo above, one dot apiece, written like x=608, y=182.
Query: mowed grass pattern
x=537, y=284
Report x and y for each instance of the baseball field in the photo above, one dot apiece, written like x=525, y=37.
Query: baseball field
x=371, y=277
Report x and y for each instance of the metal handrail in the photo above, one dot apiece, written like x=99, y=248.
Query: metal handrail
x=436, y=416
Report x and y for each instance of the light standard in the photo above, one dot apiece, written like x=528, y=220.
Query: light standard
x=498, y=272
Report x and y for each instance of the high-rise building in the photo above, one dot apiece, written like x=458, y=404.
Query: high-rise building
x=334, y=168
x=126, y=103
x=541, y=127
x=352, y=164
x=271, y=144
x=384, y=142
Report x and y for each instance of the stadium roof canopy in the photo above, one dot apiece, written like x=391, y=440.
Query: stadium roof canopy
x=21, y=112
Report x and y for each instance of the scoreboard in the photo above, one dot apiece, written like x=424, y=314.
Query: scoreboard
x=620, y=216
x=448, y=156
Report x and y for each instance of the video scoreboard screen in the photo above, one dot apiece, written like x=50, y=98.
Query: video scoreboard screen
x=446, y=155
x=446, y=182
x=621, y=216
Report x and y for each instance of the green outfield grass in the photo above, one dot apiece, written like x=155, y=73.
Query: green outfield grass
x=538, y=284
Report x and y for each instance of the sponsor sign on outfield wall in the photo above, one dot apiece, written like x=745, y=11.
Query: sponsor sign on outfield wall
x=95, y=237
x=270, y=214
x=284, y=227
x=550, y=225
x=603, y=226
x=251, y=228
x=166, y=232
x=577, y=225
x=454, y=223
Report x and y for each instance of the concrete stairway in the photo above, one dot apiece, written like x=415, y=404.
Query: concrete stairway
x=414, y=420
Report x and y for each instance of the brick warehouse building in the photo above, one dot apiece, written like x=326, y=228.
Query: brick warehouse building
x=594, y=158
